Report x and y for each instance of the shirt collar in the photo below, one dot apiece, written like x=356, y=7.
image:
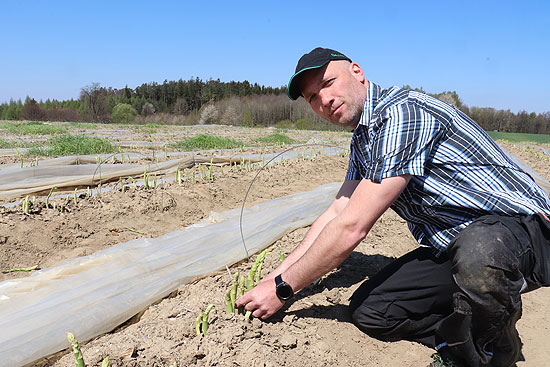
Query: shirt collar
x=373, y=94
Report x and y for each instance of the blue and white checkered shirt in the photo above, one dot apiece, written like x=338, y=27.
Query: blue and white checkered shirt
x=458, y=172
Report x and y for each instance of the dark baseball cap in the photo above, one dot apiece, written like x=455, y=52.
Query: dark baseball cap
x=317, y=58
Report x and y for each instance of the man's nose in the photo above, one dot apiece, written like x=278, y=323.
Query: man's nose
x=326, y=98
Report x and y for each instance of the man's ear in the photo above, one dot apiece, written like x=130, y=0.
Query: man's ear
x=357, y=72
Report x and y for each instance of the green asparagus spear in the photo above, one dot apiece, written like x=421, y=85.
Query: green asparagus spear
x=228, y=304
x=205, y=319
x=79, y=360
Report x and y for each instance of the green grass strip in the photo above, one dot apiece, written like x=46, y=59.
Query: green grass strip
x=153, y=126
x=5, y=145
x=207, y=142
x=520, y=137
x=33, y=128
x=18, y=144
x=84, y=125
x=275, y=139
x=69, y=145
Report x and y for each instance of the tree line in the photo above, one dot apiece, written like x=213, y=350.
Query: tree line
x=195, y=101
x=492, y=119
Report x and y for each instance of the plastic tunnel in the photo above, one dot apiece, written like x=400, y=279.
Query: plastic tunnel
x=73, y=171
x=92, y=295
x=17, y=182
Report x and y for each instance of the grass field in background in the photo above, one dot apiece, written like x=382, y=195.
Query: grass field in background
x=207, y=142
x=73, y=145
x=520, y=137
x=275, y=139
x=33, y=128
x=83, y=125
x=18, y=144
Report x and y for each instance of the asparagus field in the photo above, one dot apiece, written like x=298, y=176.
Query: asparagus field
x=194, y=325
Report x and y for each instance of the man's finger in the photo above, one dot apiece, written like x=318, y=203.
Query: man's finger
x=241, y=301
x=257, y=313
x=249, y=306
x=265, y=316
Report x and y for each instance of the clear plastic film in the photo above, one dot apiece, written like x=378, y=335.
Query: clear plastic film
x=92, y=295
x=64, y=173
x=74, y=171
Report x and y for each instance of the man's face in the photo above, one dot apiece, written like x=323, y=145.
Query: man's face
x=336, y=92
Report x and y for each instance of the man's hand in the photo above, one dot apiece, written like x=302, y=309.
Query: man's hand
x=262, y=300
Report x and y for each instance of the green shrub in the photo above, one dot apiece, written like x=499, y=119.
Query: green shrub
x=123, y=113
x=247, y=119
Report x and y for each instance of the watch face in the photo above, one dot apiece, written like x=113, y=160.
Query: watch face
x=284, y=291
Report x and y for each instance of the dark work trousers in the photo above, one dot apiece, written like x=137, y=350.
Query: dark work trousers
x=466, y=296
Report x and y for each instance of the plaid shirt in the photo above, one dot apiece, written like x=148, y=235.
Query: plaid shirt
x=458, y=172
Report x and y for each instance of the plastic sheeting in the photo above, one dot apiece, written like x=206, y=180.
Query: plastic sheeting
x=73, y=171
x=93, y=159
x=92, y=295
x=17, y=182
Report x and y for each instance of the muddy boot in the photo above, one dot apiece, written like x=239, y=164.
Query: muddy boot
x=455, y=336
x=458, y=345
x=507, y=346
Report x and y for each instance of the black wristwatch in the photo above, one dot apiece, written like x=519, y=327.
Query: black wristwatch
x=283, y=289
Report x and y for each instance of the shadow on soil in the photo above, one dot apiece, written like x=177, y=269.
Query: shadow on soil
x=355, y=269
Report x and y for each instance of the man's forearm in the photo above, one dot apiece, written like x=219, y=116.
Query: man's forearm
x=333, y=245
x=343, y=233
x=306, y=243
x=340, y=202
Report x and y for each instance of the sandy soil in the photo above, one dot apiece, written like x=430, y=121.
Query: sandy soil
x=312, y=330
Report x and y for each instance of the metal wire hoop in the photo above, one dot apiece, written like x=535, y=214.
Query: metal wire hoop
x=254, y=179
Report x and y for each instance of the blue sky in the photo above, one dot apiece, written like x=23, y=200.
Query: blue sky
x=493, y=53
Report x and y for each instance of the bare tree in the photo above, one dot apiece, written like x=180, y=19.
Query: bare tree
x=208, y=114
x=94, y=97
x=230, y=116
x=180, y=106
x=61, y=114
x=148, y=109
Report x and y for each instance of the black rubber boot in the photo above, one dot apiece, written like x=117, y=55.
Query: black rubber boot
x=507, y=347
x=455, y=335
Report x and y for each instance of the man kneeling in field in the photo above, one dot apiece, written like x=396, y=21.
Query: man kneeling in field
x=481, y=222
